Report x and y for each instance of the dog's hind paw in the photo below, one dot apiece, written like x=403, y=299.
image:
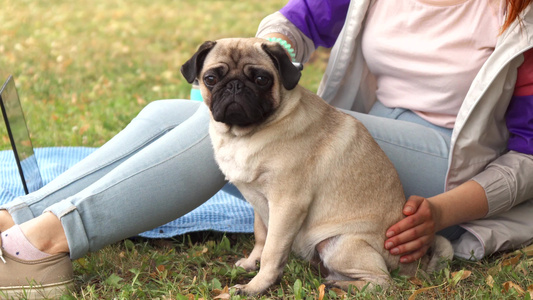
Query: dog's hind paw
x=349, y=285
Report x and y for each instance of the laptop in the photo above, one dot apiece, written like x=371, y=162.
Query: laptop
x=19, y=137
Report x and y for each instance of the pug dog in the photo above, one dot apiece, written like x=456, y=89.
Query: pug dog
x=318, y=182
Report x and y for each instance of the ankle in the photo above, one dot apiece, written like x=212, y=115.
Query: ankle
x=6, y=221
x=46, y=234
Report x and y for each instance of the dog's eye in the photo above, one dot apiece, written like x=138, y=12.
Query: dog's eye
x=210, y=80
x=262, y=80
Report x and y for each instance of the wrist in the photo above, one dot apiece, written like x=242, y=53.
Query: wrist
x=464, y=203
x=437, y=208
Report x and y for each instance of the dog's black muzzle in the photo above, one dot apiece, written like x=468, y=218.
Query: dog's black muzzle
x=237, y=104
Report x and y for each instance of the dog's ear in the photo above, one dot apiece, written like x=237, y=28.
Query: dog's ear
x=289, y=73
x=194, y=65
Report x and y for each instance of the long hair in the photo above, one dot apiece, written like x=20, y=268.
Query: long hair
x=514, y=8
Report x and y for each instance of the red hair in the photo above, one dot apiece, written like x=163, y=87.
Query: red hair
x=514, y=8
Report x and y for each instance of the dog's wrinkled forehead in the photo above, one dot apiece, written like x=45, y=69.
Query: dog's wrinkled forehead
x=242, y=55
x=237, y=53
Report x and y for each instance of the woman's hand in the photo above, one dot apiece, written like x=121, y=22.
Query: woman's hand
x=413, y=235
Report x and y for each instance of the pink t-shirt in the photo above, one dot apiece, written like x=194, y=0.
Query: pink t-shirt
x=426, y=53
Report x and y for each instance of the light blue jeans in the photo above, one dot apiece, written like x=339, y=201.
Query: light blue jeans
x=161, y=166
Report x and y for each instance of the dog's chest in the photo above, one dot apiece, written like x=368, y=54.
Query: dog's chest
x=239, y=162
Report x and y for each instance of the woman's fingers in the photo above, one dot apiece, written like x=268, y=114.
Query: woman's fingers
x=412, y=236
x=410, y=241
x=413, y=256
x=421, y=214
x=412, y=204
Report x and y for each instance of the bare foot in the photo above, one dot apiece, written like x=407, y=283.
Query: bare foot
x=6, y=221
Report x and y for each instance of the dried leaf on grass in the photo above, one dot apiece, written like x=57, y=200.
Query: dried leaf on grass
x=456, y=277
x=515, y=257
x=321, y=292
x=416, y=281
x=489, y=280
x=514, y=260
x=460, y=275
x=420, y=291
x=520, y=268
x=508, y=261
x=463, y=274
x=339, y=292
x=221, y=294
x=528, y=251
x=495, y=270
x=507, y=286
x=201, y=252
x=190, y=296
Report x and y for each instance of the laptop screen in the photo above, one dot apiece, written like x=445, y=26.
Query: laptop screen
x=19, y=137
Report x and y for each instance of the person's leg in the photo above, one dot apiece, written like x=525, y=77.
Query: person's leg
x=149, y=187
x=418, y=149
x=160, y=167
x=156, y=119
x=164, y=180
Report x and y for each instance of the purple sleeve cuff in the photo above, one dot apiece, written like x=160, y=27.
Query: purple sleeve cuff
x=520, y=124
x=319, y=20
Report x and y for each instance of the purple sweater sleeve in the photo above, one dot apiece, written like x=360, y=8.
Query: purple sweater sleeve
x=520, y=111
x=319, y=20
x=520, y=124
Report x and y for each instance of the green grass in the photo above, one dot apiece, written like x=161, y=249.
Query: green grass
x=200, y=266
x=84, y=69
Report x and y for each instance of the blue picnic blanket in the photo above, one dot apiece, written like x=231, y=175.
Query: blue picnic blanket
x=223, y=212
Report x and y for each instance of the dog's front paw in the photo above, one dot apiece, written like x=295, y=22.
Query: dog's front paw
x=249, y=264
x=239, y=289
x=258, y=285
x=248, y=290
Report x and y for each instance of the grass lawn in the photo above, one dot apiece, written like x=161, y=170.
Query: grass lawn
x=84, y=69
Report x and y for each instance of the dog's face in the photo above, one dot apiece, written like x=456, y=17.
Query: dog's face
x=241, y=80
